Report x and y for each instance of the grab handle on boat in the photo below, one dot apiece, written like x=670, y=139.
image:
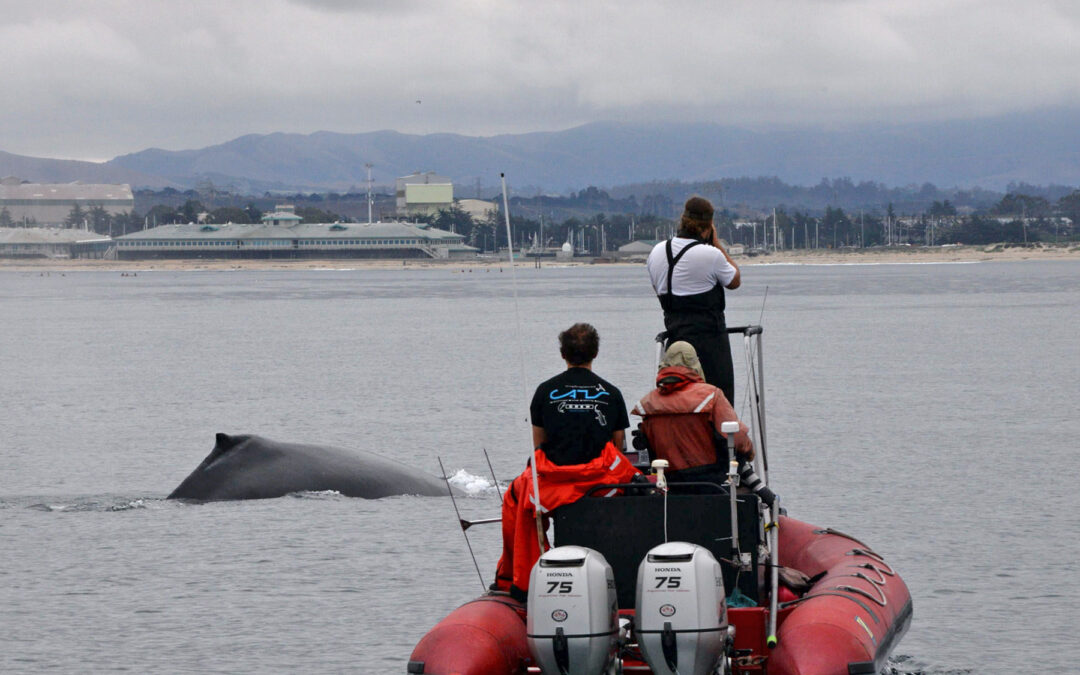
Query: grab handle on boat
x=672, y=487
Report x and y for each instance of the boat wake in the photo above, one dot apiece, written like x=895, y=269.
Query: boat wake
x=906, y=665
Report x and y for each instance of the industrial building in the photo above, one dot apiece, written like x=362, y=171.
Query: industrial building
x=282, y=235
x=52, y=203
x=480, y=210
x=423, y=194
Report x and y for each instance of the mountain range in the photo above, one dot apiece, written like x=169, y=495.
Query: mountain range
x=1041, y=147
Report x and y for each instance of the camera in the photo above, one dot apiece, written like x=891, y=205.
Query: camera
x=749, y=478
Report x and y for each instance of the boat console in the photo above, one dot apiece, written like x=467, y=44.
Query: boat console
x=624, y=529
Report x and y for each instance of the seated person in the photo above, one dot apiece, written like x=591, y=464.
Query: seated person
x=577, y=412
x=579, y=426
x=681, y=420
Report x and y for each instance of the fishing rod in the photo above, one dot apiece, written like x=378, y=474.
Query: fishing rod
x=521, y=361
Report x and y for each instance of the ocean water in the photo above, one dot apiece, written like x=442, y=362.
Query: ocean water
x=929, y=410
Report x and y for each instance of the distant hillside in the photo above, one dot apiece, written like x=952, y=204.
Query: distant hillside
x=39, y=170
x=1038, y=148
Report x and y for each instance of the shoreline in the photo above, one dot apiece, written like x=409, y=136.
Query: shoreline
x=873, y=256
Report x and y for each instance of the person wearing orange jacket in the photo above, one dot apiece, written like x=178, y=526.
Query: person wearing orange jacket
x=559, y=484
x=578, y=424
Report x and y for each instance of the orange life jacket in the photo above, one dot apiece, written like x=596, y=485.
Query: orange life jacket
x=559, y=484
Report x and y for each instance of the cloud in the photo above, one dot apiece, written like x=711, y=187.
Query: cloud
x=118, y=76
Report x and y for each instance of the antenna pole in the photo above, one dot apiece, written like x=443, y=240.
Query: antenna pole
x=521, y=358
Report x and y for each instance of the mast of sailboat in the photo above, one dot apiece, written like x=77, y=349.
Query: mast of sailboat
x=369, y=165
x=774, y=229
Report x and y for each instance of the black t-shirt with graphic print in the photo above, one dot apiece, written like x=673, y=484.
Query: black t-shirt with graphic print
x=578, y=411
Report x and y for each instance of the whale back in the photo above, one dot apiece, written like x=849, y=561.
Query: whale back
x=247, y=466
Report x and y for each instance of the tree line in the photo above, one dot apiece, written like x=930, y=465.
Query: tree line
x=595, y=221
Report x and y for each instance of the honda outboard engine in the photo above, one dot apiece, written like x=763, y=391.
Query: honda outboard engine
x=681, y=613
x=573, y=613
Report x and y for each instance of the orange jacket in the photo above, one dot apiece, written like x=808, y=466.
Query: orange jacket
x=682, y=414
x=559, y=484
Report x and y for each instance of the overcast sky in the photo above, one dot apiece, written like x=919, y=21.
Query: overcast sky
x=92, y=80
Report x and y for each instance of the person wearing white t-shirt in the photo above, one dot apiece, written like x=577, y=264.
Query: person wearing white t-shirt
x=689, y=273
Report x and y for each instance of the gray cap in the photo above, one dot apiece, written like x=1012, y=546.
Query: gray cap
x=682, y=354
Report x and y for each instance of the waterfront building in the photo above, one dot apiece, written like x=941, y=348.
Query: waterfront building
x=52, y=203
x=283, y=215
x=277, y=238
x=423, y=194
x=46, y=242
x=637, y=250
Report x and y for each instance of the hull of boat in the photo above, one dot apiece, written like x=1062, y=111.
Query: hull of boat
x=482, y=637
x=851, y=617
x=848, y=622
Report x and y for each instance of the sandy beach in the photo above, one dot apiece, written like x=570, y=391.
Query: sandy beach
x=872, y=256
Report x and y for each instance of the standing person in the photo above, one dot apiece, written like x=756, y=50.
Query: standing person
x=577, y=412
x=689, y=273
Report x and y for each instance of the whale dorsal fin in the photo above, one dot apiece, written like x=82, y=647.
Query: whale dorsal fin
x=223, y=443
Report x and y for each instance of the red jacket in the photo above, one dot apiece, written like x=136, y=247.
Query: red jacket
x=680, y=416
x=559, y=484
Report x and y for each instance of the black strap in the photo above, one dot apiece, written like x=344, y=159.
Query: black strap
x=672, y=262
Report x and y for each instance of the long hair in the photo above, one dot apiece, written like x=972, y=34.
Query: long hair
x=696, y=220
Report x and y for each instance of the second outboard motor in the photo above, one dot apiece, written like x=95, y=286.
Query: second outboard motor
x=572, y=622
x=681, y=612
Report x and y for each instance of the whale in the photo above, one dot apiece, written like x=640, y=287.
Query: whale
x=247, y=466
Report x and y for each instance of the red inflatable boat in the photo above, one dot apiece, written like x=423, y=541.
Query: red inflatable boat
x=770, y=595
x=847, y=622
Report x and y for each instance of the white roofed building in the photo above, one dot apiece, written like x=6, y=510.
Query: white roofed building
x=292, y=239
x=44, y=242
x=283, y=215
x=479, y=209
x=51, y=203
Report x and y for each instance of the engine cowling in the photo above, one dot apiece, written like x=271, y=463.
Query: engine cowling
x=681, y=622
x=572, y=624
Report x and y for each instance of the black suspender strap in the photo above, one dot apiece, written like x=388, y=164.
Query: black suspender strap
x=672, y=262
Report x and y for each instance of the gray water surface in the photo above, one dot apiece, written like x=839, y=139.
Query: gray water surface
x=929, y=410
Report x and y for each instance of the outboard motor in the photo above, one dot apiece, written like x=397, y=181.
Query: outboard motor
x=681, y=613
x=572, y=622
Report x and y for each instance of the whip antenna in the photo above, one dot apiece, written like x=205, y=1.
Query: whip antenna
x=765, y=297
x=761, y=315
x=493, y=478
x=462, y=522
x=521, y=362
